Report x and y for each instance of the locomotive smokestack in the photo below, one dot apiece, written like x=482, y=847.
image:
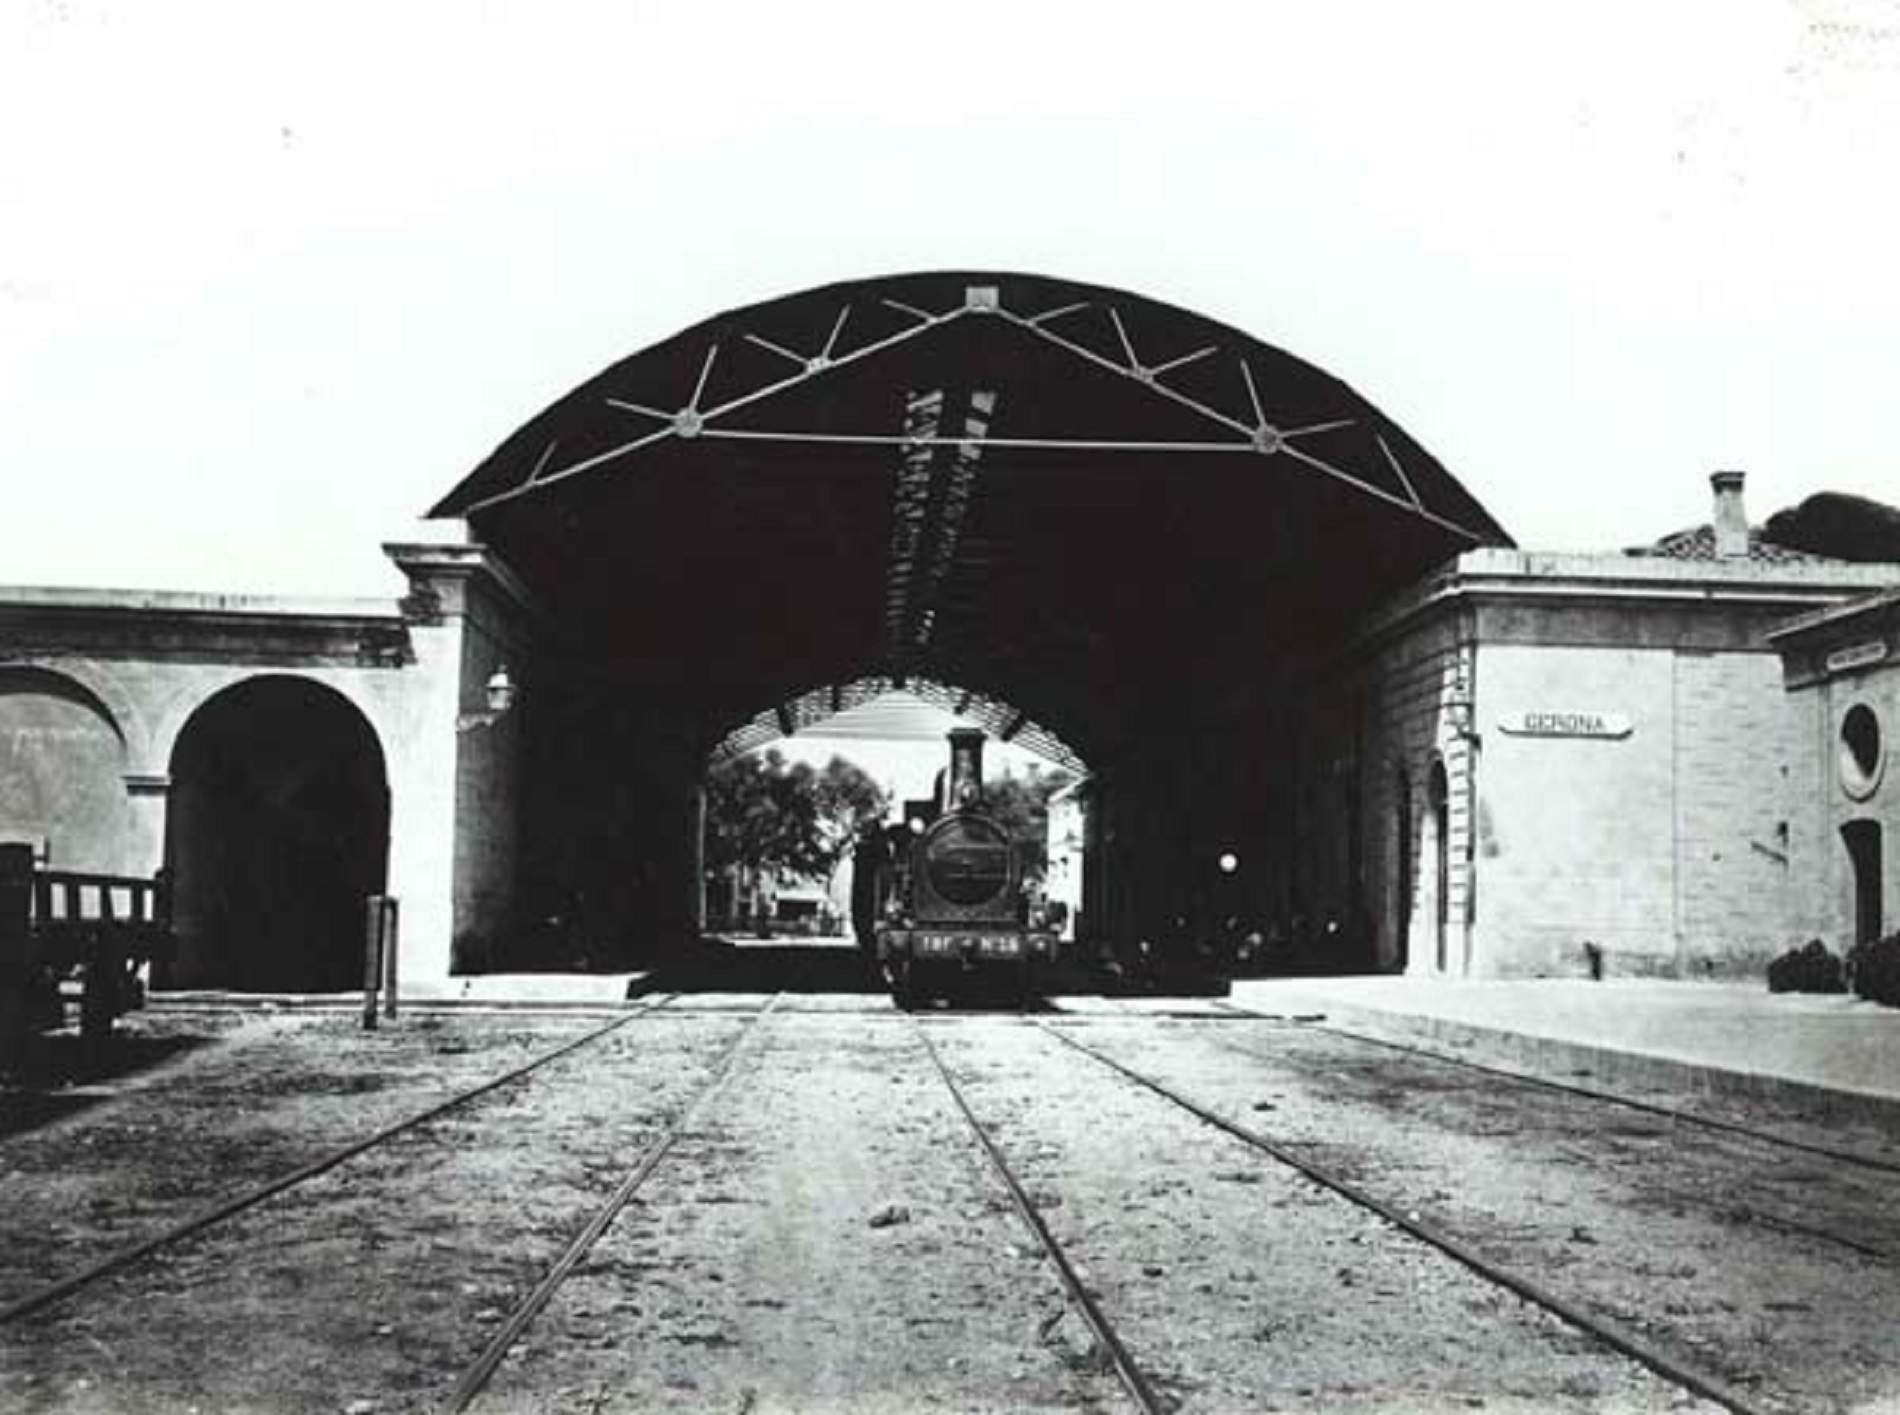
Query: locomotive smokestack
x=965, y=787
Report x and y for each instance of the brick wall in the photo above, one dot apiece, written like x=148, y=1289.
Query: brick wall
x=1577, y=833
x=1408, y=686
x=1737, y=737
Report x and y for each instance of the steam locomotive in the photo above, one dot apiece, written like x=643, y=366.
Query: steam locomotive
x=939, y=902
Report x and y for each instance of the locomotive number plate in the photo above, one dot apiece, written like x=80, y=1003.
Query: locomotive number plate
x=984, y=945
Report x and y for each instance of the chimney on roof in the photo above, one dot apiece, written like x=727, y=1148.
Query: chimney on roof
x=1731, y=521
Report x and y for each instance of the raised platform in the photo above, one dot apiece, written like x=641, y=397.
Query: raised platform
x=1835, y=1053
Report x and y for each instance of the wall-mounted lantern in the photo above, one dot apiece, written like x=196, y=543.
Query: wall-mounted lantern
x=500, y=694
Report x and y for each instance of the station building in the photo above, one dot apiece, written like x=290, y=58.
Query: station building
x=1539, y=764
x=1270, y=628
x=1842, y=667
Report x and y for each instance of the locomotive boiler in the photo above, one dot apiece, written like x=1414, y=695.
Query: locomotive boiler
x=946, y=889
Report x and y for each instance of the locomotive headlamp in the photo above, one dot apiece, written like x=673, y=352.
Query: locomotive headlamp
x=1229, y=862
x=916, y=826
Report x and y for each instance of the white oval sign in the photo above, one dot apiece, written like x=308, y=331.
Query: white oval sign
x=1566, y=722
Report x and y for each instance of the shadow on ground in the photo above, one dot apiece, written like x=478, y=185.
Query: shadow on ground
x=718, y=965
x=723, y=965
x=800, y=967
x=62, y=1074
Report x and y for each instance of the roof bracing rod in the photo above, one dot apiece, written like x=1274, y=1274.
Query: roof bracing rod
x=690, y=420
x=1262, y=436
x=1259, y=435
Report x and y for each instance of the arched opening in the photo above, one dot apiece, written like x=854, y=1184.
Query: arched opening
x=801, y=805
x=1438, y=800
x=1402, y=863
x=278, y=831
x=1862, y=839
x=1130, y=520
x=62, y=783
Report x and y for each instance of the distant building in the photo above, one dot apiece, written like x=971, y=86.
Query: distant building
x=1843, y=677
x=1066, y=843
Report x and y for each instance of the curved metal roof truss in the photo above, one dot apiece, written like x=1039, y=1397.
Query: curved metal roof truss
x=1072, y=499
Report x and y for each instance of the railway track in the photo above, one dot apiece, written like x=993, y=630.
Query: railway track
x=1612, y=1334
x=1134, y=1380
x=58, y=1291
x=476, y=1375
x=1318, y=1023
x=1751, y=1212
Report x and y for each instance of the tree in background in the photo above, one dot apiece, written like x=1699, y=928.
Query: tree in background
x=767, y=818
x=1020, y=805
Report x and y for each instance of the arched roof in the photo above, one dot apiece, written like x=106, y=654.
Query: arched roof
x=1066, y=497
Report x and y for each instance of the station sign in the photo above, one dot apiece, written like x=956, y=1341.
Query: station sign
x=1857, y=656
x=1566, y=722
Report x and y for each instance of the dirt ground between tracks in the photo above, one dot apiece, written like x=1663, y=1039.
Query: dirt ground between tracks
x=824, y=1238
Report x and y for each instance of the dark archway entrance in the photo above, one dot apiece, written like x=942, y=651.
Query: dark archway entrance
x=1862, y=839
x=278, y=830
x=1142, y=528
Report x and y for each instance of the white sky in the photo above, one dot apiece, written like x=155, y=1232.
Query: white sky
x=273, y=277
x=903, y=747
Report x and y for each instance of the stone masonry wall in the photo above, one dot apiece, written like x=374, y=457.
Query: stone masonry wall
x=1737, y=738
x=1410, y=686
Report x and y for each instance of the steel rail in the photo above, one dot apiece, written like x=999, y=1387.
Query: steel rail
x=478, y=1373
x=1613, y=1334
x=1731, y=1212
x=1133, y=1379
x=54, y=1292
x=1708, y=1122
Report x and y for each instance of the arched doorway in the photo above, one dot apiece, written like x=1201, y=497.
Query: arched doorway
x=1438, y=799
x=277, y=832
x=62, y=783
x=1862, y=839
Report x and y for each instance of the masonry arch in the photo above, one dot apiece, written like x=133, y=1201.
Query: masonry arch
x=277, y=831
x=63, y=761
x=1115, y=514
x=1861, y=839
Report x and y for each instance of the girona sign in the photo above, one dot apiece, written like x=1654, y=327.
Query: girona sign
x=1566, y=722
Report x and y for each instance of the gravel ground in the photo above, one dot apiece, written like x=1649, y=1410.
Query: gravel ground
x=373, y=1281
x=1240, y=1285
x=828, y=1239
x=251, y=1097
x=1741, y=1257
x=826, y=1235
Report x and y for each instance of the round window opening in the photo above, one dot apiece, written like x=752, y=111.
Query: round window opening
x=1861, y=757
